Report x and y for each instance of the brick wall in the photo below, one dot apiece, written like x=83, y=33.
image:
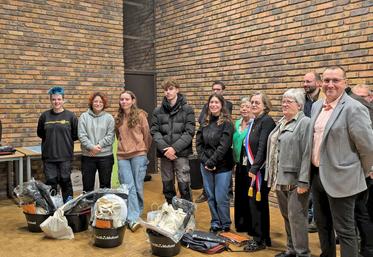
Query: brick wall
x=74, y=44
x=260, y=45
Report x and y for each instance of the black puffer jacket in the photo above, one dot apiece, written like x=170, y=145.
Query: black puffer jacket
x=214, y=145
x=173, y=126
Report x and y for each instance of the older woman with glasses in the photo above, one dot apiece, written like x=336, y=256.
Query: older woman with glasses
x=256, y=217
x=287, y=171
x=241, y=176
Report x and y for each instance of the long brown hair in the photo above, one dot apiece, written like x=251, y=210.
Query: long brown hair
x=133, y=117
x=224, y=115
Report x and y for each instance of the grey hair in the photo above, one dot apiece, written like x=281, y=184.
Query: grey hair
x=297, y=94
x=245, y=99
x=360, y=86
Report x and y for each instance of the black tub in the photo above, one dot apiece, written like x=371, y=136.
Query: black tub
x=108, y=237
x=161, y=245
x=34, y=221
x=78, y=221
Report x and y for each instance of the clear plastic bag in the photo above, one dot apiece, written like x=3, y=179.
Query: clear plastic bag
x=57, y=200
x=172, y=221
x=111, y=207
x=29, y=192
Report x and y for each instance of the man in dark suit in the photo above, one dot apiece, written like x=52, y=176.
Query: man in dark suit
x=218, y=87
x=342, y=148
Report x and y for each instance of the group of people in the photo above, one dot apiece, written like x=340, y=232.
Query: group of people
x=96, y=129
x=323, y=146
x=325, y=150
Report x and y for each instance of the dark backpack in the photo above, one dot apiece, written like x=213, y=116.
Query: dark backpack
x=204, y=242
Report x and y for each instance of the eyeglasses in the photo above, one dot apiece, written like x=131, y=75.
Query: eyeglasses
x=255, y=103
x=288, y=101
x=334, y=81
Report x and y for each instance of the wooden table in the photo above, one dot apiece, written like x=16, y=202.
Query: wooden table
x=34, y=152
x=17, y=156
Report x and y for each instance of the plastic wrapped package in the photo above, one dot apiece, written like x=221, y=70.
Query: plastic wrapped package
x=45, y=192
x=121, y=191
x=172, y=221
x=29, y=193
x=112, y=208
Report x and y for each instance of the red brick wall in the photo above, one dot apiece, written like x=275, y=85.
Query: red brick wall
x=74, y=44
x=260, y=45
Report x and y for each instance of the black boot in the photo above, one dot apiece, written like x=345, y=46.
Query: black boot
x=169, y=190
x=185, y=191
x=66, y=189
x=147, y=178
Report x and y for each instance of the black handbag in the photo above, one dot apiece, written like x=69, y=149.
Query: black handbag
x=204, y=242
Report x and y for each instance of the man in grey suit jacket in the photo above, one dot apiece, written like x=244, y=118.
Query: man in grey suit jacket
x=342, y=148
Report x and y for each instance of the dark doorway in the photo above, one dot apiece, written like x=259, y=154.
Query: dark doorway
x=143, y=85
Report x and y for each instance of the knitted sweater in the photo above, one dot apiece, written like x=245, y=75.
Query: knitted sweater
x=134, y=141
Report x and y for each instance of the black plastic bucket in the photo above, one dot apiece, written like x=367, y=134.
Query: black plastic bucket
x=162, y=245
x=34, y=221
x=78, y=221
x=108, y=237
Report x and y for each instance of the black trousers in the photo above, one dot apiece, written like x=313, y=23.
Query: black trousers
x=334, y=213
x=59, y=173
x=104, y=166
x=364, y=224
x=370, y=198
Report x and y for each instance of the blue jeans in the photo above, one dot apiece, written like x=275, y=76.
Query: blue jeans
x=132, y=173
x=216, y=186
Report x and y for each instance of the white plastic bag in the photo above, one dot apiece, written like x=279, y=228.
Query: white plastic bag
x=57, y=200
x=56, y=226
x=111, y=207
x=173, y=220
x=169, y=219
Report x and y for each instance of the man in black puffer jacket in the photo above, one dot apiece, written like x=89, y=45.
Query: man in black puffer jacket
x=173, y=127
